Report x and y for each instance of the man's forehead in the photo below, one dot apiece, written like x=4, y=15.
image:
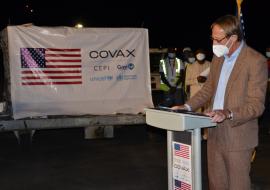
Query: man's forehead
x=218, y=31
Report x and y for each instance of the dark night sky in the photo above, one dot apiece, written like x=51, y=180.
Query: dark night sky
x=170, y=23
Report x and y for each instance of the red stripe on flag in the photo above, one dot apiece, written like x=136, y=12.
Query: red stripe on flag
x=52, y=77
x=47, y=72
x=50, y=83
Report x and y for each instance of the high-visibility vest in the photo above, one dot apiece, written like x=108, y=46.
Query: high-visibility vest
x=163, y=86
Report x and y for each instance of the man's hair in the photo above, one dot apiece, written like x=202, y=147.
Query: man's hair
x=230, y=24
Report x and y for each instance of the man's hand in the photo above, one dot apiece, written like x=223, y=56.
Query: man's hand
x=219, y=116
x=201, y=79
x=181, y=107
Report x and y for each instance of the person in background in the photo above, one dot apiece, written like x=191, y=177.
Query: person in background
x=171, y=70
x=196, y=74
x=236, y=88
x=188, y=58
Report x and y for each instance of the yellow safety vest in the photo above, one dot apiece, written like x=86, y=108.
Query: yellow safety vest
x=163, y=86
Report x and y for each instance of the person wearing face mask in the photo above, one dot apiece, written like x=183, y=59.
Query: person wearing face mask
x=171, y=70
x=236, y=88
x=194, y=79
x=188, y=58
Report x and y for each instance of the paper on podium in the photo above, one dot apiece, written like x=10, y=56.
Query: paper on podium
x=176, y=120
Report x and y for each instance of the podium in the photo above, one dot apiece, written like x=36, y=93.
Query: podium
x=183, y=145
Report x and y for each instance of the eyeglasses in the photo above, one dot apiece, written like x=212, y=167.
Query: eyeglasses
x=218, y=40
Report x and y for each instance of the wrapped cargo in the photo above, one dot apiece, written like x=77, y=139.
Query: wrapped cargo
x=52, y=71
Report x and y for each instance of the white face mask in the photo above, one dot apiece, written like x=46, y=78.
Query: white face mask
x=221, y=50
x=268, y=54
x=171, y=55
x=191, y=59
x=200, y=56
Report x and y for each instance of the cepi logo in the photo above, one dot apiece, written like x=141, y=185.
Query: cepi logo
x=101, y=68
x=129, y=66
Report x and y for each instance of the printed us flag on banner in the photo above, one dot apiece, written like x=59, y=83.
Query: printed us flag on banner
x=182, y=150
x=180, y=185
x=50, y=66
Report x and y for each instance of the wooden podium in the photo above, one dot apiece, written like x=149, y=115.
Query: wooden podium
x=183, y=145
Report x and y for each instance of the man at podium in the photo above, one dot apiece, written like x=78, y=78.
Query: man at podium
x=236, y=88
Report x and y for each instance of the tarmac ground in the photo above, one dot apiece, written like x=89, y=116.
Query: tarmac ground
x=135, y=159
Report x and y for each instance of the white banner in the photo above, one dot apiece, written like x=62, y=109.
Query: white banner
x=69, y=71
